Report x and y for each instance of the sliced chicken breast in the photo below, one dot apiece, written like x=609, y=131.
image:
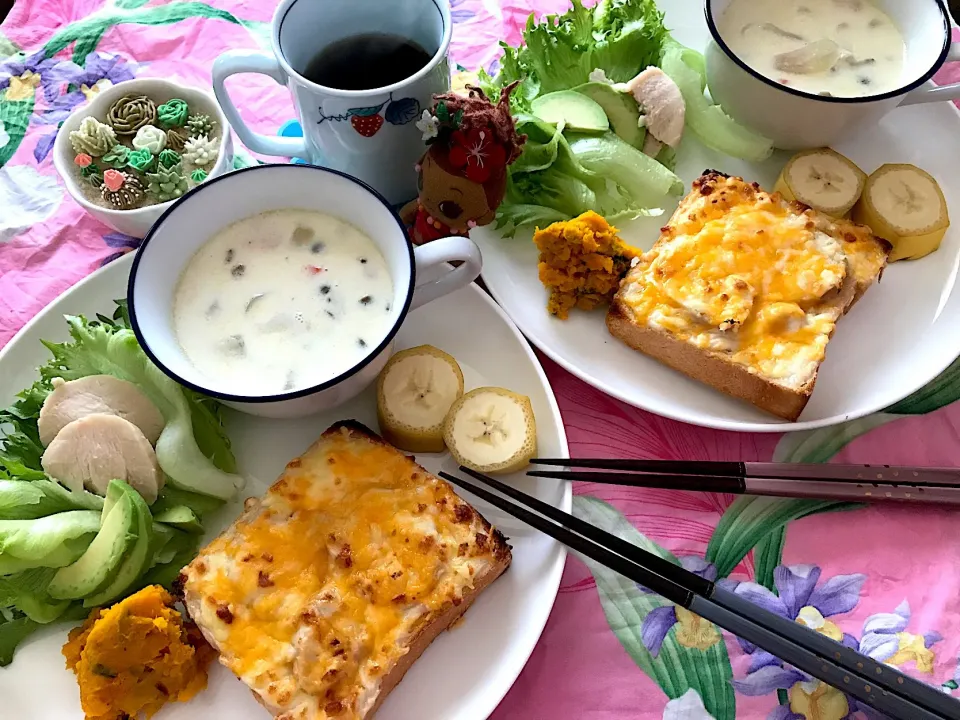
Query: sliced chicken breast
x=98, y=394
x=92, y=451
x=661, y=103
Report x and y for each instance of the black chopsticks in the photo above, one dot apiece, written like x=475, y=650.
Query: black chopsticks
x=857, y=483
x=882, y=687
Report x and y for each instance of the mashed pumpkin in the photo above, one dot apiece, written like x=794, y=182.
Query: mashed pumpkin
x=581, y=263
x=136, y=656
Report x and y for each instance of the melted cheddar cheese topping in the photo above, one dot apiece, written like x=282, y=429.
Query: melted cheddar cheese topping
x=740, y=273
x=314, y=593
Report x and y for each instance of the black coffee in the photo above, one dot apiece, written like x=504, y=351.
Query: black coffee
x=367, y=61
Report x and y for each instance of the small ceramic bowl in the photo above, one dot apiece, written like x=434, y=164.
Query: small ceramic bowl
x=138, y=221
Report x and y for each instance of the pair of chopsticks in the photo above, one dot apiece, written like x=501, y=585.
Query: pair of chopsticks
x=880, y=686
x=857, y=483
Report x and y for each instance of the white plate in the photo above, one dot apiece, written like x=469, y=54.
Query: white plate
x=901, y=335
x=466, y=671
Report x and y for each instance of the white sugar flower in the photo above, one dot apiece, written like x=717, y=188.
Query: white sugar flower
x=150, y=137
x=200, y=151
x=428, y=125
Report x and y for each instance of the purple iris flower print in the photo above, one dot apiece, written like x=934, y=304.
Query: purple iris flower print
x=53, y=73
x=801, y=600
x=693, y=631
x=123, y=243
x=96, y=67
x=885, y=638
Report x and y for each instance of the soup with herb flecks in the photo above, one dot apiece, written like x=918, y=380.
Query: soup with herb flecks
x=839, y=48
x=281, y=301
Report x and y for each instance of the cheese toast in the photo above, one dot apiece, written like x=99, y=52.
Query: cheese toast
x=323, y=593
x=743, y=291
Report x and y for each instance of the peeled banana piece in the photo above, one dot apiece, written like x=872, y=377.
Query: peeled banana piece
x=905, y=206
x=415, y=391
x=823, y=179
x=491, y=430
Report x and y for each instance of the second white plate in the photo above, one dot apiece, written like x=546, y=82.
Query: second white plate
x=901, y=335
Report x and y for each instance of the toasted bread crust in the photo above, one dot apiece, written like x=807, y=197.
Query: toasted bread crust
x=867, y=256
x=493, y=545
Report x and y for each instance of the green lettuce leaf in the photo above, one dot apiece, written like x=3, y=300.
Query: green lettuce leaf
x=713, y=127
x=51, y=541
x=21, y=500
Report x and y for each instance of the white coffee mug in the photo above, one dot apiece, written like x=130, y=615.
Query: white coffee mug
x=370, y=134
x=420, y=275
x=797, y=120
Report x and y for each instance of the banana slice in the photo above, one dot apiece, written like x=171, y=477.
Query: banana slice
x=905, y=206
x=491, y=430
x=823, y=179
x=414, y=393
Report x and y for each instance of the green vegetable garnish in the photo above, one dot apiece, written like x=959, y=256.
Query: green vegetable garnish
x=713, y=127
x=593, y=52
x=47, y=530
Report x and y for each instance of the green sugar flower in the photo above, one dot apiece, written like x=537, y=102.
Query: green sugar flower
x=93, y=137
x=140, y=160
x=173, y=113
x=168, y=158
x=167, y=183
x=198, y=176
x=200, y=124
x=93, y=174
x=116, y=157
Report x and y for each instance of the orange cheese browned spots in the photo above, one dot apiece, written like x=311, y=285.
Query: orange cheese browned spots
x=361, y=543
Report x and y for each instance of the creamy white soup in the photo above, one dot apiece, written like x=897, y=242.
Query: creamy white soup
x=282, y=301
x=843, y=48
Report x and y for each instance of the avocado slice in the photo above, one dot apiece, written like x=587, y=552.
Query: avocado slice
x=621, y=109
x=106, y=552
x=180, y=517
x=137, y=560
x=575, y=110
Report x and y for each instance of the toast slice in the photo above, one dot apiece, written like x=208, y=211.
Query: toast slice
x=743, y=290
x=324, y=592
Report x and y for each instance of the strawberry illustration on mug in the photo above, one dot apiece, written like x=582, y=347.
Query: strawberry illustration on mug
x=367, y=121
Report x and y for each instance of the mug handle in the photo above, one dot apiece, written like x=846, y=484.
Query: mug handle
x=249, y=61
x=946, y=92
x=449, y=249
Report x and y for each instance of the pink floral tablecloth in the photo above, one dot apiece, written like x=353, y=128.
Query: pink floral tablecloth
x=884, y=579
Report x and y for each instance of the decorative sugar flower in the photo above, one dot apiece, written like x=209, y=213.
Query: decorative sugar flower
x=200, y=151
x=82, y=160
x=130, y=113
x=167, y=183
x=429, y=125
x=168, y=158
x=140, y=160
x=93, y=174
x=151, y=138
x=176, y=137
x=116, y=157
x=200, y=124
x=122, y=190
x=93, y=137
x=173, y=113
x=198, y=176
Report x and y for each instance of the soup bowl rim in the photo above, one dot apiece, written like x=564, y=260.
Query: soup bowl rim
x=197, y=384
x=858, y=100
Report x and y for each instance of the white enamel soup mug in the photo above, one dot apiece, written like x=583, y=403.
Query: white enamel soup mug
x=420, y=275
x=370, y=134
x=797, y=120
